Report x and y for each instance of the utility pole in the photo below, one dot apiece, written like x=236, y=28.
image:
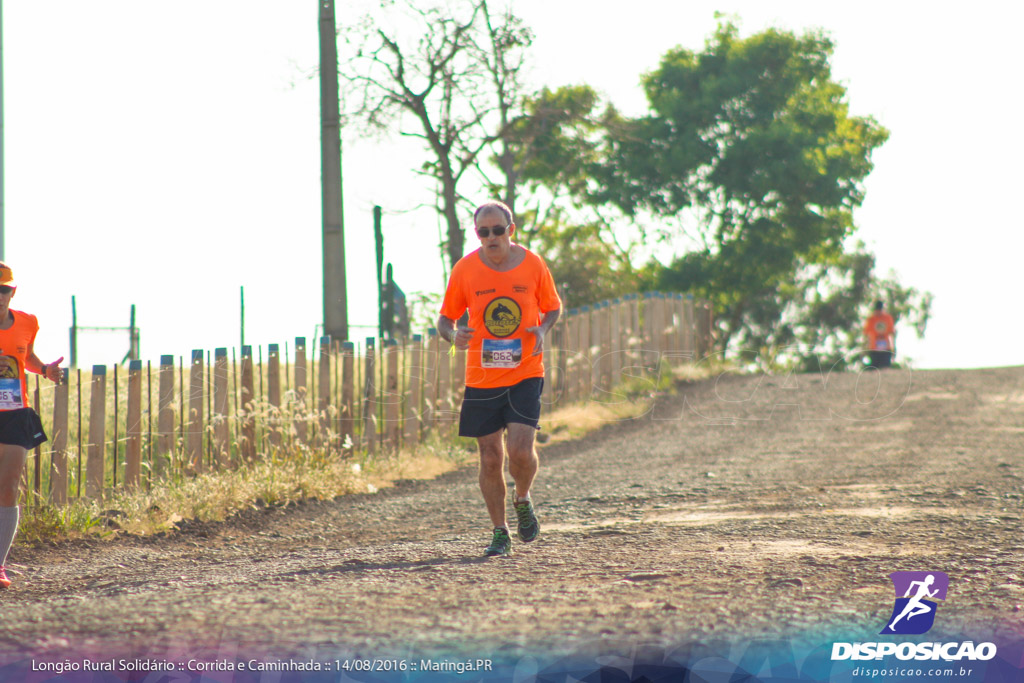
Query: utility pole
x=335, y=296
x=378, y=235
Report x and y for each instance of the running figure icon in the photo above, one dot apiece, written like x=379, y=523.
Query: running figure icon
x=915, y=606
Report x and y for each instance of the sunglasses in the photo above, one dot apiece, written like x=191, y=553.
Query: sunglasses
x=4, y=289
x=487, y=232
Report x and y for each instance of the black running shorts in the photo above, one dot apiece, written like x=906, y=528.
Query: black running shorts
x=880, y=359
x=485, y=411
x=21, y=427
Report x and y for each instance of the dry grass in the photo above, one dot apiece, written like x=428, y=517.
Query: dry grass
x=579, y=419
x=215, y=496
x=300, y=473
x=626, y=401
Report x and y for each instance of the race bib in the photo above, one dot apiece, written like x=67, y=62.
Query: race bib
x=10, y=384
x=882, y=345
x=502, y=353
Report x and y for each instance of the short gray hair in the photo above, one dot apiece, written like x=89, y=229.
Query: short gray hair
x=493, y=207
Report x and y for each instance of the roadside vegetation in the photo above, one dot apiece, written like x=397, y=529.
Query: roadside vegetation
x=309, y=473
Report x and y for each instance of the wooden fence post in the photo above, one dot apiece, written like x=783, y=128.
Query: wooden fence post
x=133, y=446
x=457, y=387
x=370, y=398
x=430, y=379
x=586, y=346
x=300, y=390
x=165, y=445
x=625, y=335
x=548, y=357
x=677, y=318
x=705, y=321
x=347, y=428
x=274, y=393
x=393, y=398
x=615, y=321
x=36, y=459
x=444, y=388
x=247, y=408
x=97, y=448
x=221, y=431
x=650, y=345
x=194, y=450
x=59, y=454
x=561, y=344
x=688, y=330
x=604, y=359
x=665, y=325
x=324, y=391
x=636, y=340
x=596, y=345
x=414, y=393
x=572, y=363
x=458, y=375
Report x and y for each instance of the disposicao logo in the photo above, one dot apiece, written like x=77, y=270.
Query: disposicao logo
x=916, y=595
x=913, y=614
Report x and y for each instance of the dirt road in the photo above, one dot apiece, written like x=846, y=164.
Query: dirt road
x=740, y=510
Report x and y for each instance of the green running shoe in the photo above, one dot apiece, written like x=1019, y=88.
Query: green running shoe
x=501, y=543
x=529, y=527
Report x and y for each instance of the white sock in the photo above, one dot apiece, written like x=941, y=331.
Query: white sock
x=524, y=498
x=8, y=527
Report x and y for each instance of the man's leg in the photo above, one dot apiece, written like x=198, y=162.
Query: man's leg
x=523, y=462
x=12, y=462
x=492, y=485
x=492, y=476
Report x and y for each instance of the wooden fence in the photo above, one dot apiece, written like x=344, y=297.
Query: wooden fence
x=152, y=422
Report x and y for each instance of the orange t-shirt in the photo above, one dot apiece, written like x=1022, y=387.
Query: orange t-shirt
x=880, y=327
x=502, y=305
x=15, y=342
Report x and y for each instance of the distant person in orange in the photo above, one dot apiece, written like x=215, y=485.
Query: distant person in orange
x=880, y=330
x=512, y=302
x=20, y=427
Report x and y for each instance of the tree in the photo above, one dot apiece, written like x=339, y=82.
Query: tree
x=751, y=148
x=459, y=83
x=587, y=267
x=547, y=154
x=815, y=320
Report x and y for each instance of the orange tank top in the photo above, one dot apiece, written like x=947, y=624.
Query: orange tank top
x=15, y=343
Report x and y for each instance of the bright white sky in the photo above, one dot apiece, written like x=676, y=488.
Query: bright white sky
x=166, y=154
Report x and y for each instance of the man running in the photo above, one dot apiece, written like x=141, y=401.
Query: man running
x=512, y=303
x=880, y=330
x=20, y=427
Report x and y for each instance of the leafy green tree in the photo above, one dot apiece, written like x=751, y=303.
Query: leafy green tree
x=750, y=147
x=815, y=320
x=586, y=267
x=547, y=153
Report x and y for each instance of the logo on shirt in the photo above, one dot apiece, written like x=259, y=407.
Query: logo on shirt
x=9, y=368
x=519, y=289
x=502, y=316
x=481, y=292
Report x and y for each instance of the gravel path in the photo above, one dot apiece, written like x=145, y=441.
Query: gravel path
x=738, y=509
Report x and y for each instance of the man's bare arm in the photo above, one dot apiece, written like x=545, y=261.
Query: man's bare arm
x=460, y=337
x=549, y=320
x=445, y=328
